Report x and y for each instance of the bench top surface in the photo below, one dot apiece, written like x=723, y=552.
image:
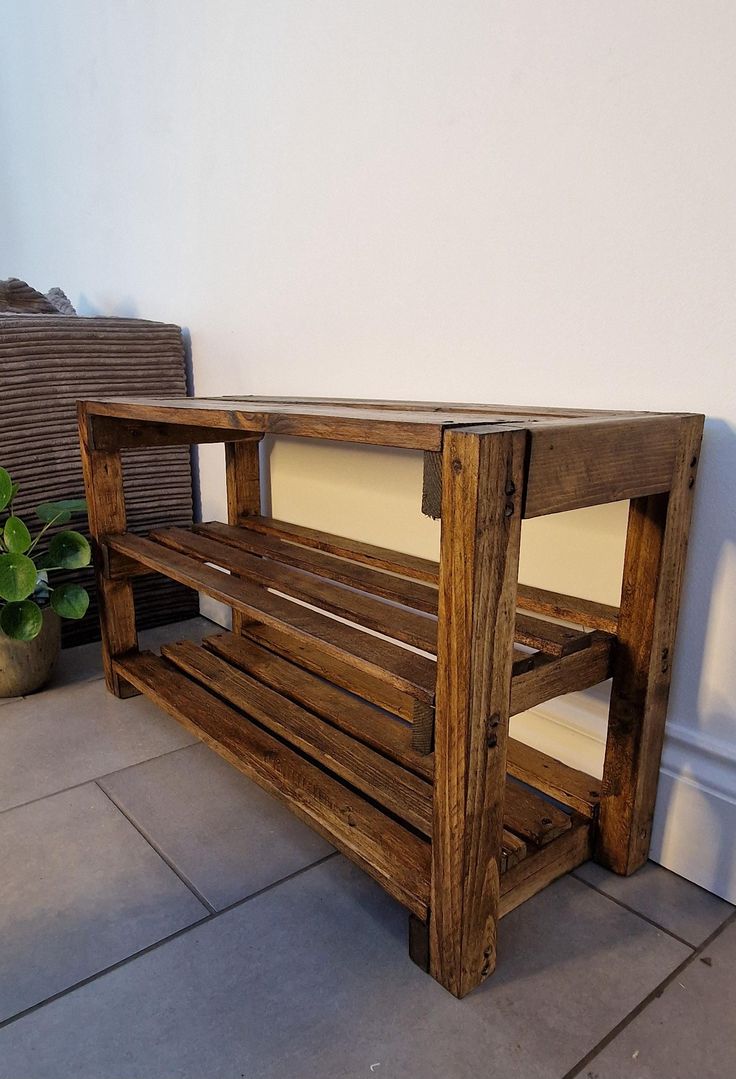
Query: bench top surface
x=412, y=424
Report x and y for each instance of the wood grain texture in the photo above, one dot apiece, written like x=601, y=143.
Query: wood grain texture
x=553, y=677
x=565, y=784
x=394, y=856
x=351, y=714
x=532, y=817
x=654, y=566
x=243, y=487
x=483, y=484
x=584, y=612
x=395, y=788
x=545, y=865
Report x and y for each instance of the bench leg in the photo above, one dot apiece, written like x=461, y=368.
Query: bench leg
x=482, y=492
x=656, y=548
x=103, y=481
x=243, y=478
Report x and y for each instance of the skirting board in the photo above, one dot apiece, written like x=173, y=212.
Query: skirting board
x=695, y=819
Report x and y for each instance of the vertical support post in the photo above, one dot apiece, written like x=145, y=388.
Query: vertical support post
x=654, y=563
x=103, y=481
x=243, y=478
x=483, y=480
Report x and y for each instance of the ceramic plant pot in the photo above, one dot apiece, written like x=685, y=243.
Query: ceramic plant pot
x=25, y=666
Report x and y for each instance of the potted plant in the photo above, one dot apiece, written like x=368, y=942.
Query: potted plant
x=30, y=607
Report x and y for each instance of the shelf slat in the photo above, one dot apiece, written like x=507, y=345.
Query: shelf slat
x=531, y=816
x=395, y=788
x=386, y=663
x=355, y=716
x=395, y=856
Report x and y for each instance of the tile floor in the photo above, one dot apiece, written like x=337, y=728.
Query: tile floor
x=161, y=917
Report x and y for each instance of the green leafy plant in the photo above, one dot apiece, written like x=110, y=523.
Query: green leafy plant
x=24, y=574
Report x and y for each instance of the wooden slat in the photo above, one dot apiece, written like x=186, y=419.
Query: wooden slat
x=243, y=487
x=395, y=788
x=513, y=849
x=412, y=628
x=545, y=865
x=589, y=463
x=420, y=569
x=532, y=817
x=549, y=637
x=550, y=678
x=394, y=856
x=584, y=612
x=411, y=674
x=567, y=785
x=356, y=717
x=414, y=594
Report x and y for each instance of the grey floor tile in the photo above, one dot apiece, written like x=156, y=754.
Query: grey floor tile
x=690, y=1030
x=312, y=978
x=671, y=901
x=58, y=739
x=80, y=889
x=223, y=833
x=85, y=661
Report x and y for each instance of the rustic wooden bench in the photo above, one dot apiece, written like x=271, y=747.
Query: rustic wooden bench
x=402, y=761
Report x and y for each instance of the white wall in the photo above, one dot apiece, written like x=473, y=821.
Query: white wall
x=493, y=200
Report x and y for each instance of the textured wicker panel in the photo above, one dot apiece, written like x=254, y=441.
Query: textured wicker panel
x=47, y=363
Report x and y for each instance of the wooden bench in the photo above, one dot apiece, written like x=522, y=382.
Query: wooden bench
x=371, y=690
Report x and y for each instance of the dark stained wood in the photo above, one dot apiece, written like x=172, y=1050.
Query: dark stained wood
x=483, y=486
x=549, y=637
x=412, y=674
x=565, y=784
x=584, y=612
x=549, y=678
x=586, y=464
x=394, y=856
x=527, y=814
x=420, y=569
x=243, y=486
x=513, y=850
x=103, y=482
x=654, y=565
x=411, y=627
x=414, y=594
x=351, y=714
x=545, y=865
x=398, y=790
x=111, y=433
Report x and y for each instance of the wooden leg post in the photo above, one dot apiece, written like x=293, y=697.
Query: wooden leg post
x=656, y=547
x=243, y=476
x=103, y=481
x=482, y=495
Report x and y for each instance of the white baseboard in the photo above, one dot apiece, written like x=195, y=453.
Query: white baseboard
x=694, y=831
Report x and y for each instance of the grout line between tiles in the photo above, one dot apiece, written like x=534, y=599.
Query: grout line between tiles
x=633, y=910
x=643, y=1004
x=205, y=920
x=94, y=779
x=155, y=847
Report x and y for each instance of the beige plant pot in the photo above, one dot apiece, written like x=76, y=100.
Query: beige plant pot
x=25, y=666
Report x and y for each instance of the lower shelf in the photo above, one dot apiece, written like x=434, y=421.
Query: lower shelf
x=349, y=770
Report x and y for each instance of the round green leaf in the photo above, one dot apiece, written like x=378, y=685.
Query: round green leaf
x=21, y=621
x=6, y=488
x=61, y=511
x=70, y=550
x=53, y=513
x=17, y=577
x=70, y=601
x=16, y=535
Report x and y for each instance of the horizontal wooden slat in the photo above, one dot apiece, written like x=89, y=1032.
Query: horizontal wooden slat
x=527, y=814
x=353, y=715
x=414, y=594
x=549, y=637
x=420, y=569
x=542, y=866
x=513, y=849
x=418, y=630
x=411, y=674
x=550, y=678
x=396, y=857
x=395, y=788
x=584, y=612
x=567, y=785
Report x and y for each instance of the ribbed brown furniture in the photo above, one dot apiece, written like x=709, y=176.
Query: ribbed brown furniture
x=401, y=761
